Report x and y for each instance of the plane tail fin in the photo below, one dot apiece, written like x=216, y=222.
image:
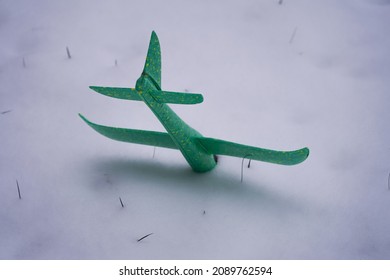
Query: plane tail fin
x=152, y=66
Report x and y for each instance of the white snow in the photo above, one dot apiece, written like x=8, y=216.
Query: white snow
x=304, y=73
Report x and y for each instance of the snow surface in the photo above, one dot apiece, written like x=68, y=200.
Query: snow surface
x=304, y=73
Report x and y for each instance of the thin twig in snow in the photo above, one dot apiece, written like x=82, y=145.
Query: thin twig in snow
x=17, y=185
x=293, y=35
x=242, y=167
x=143, y=237
x=388, y=182
x=120, y=199
x=5, y=112
x=68, y=53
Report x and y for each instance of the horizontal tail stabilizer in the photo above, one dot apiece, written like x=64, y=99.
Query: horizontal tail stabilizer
x=220, y=147
x=121, y=93
x=144, y=137
x=177, y=97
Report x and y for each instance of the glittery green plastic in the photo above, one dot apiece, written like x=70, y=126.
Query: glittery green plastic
x=199, y=151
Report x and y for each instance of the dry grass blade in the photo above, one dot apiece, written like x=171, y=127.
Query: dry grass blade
x=68, y=53
x=17, y=185
x=143, y=237
x=293, y=35
x=242, y=166
x=388, y=182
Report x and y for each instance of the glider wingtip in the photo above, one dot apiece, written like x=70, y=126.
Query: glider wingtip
x=94, y=88
x=198, y=98
x=306, y=151
x=298, y=156
x=82, y=117
x=154, y=36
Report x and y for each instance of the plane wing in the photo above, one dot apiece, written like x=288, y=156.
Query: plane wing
x=221, y=147
x=152, y=138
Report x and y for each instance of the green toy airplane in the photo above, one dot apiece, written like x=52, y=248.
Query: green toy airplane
x=200, y=152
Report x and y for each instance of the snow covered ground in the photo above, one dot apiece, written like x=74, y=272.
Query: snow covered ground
x=303, y=73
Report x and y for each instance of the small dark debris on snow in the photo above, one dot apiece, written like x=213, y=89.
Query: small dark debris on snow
x=107, y=178
x=6, y=112
x=17, y=185
x=143, y=237
x=242, y=166
x=388, y=182
x=120, y=199
x=68, y=53
x=293, y=35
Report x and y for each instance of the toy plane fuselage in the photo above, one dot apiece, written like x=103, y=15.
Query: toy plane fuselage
x=181, y=133
x=199, y=151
